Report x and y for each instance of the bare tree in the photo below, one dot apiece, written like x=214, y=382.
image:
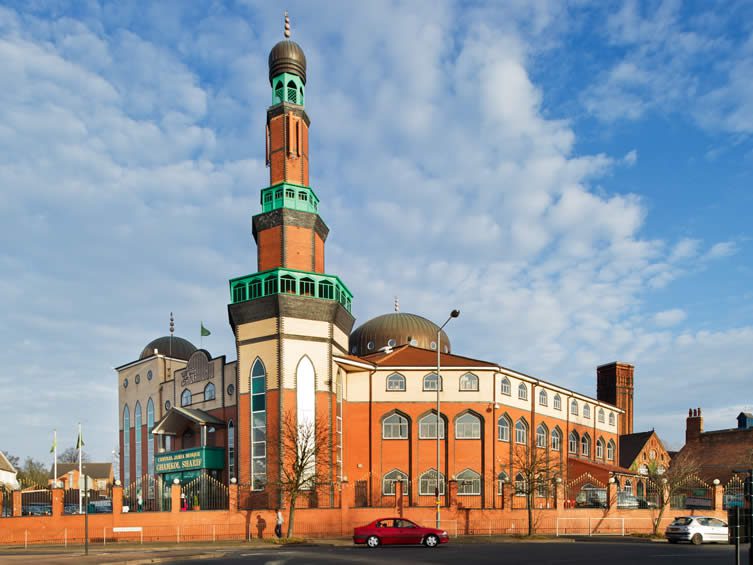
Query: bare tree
x=669, y=482
x=535, y=474
x=70, y=455
x=305, y=454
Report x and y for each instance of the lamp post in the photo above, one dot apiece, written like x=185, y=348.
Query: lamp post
x=453, y=314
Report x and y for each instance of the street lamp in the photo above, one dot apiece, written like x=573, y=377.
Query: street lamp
x=453, y=314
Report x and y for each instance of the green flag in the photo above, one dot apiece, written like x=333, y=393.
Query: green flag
x=204, y=332
x=54, y=443
x=80, y=440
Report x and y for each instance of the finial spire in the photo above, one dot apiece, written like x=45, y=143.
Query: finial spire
x=287, y=25
x=172, y=324
x=397, y=304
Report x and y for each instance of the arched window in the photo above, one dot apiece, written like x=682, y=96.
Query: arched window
x=396, y=382
x=126, y=445
x=542, y=436
x=258, y=425
x=230, y=449
x=502, y=478
x=185, y=397
x=521, y=431
x=292, y=92
x=543, y=398
x=431, y=382
x=326, y=290
x=572, y=443
x=573, y=407
x=468, y=426
x=628, y=488
x=601, y=415
x=611, y=418
x=279, y=91
x=557, y=402
x=556, y=439
x=390, y=479
x=505, y=389
x=307, y=287
x=522, y=391
x=503, y=428
x=209, y=392
x=427, y=427
x=585, y=445
x=427, y=483
x=395, y=426
x=600, y=448
x=469, y=381
x=288, y=284
x=137, y=435
x=610, y=450
x=469, y=482
x=149, y=437
x=521, y=485
x=586, y=411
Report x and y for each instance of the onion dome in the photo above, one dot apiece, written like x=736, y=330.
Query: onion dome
x=395, y=329
x=180, y=348
x=287, y=57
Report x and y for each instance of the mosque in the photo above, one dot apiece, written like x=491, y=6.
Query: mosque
x=373, y=394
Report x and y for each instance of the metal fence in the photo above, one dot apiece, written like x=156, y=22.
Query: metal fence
x=6, y=504
x=585, y=492
x=250, y=499
x=36, y=501
x=99, y=501
x=692, y=493
x=734, y=493
x=147, y=494
x=204, y=493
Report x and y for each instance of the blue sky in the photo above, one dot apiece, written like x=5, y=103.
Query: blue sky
x=575, y=177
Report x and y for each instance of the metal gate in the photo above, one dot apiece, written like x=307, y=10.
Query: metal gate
x=362, y=494
x=204, y=493
x=6, y=505
x=734, y=493
x=36, y=501
x=148, y=494
x=692, y=493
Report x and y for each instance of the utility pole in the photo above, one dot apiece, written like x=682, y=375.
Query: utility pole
x=86, y=515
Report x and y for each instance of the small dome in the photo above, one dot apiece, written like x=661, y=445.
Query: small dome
x=179, y=349
x=395, y=329
x=287, y=57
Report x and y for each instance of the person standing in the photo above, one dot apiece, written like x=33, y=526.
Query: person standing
x=279, y=520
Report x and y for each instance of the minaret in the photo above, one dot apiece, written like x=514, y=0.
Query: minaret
x=290, y=317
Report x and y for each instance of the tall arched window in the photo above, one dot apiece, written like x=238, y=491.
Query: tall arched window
x=573, y=407
x=427, y=427
x=427, y=483
x=209, y=392
x=501, y=480
x=292, y=92
x=279, y=94
x=137, y=443
x=586, y=411
x=185, y=398
x=469, y=381
x=601, y=415
x=431, y=382
x=556, y=439
x=610, y=450
x=521, y=431
x=585, y=445
x=230, y=449
x=521, y=485
x=505, y=388
x=611, y=418
x=258, y=425
x=542, y=436
x=149, y=437
x=543, y=399
x=503, y=428
x=572, y=443
x=557, y=402
x=469, y=482
x=126, y=446
x=522, y=391
x=396, y=382
x=390, y=479
x=468, y=426
x=600, y=448
x=395, y=426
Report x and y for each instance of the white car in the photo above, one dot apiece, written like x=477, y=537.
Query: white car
x=697, y=530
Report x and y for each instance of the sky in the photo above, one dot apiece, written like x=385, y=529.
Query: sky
x=575, y=177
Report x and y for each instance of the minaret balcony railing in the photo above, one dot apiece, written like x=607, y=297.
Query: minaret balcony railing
x=290, y=281
x=290, y=196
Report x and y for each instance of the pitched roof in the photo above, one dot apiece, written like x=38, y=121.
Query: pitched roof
x=409, y=356
x=5, y=465
x=603, y=466
x=93, y=470
x=631, y=445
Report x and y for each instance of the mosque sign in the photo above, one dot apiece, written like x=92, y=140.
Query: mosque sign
x=199, y=369
x=189, y=459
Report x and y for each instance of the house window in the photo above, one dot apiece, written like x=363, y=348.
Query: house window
x=521, y=432
x=611, y=418
x=503, y=429
x=395, y=426
x=469, y=483
x=427, y=483
x=505, y=389
x=522, y=392
x=586, y=411
x=601, y=415
x=427, y=427
x=390, y=479
x=572, y=443
x=610, y=451
x=585, y=446
x=542, y=435
x=468, y=426
x=209, y=392
x=396, y=382
x=431, y=382
x=469, y=381
x=574, y=408
x=185, y=398
x=543, y=399
x=557, y=402
x=556, y=440
x=600, y=449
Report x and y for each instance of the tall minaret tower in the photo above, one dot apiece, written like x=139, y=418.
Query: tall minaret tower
x=290, y=317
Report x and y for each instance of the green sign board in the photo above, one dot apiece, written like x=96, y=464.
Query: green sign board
x=190, y=459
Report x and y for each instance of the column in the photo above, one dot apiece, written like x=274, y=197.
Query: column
x=175, y=497
x=57, y=501
x=117, y=499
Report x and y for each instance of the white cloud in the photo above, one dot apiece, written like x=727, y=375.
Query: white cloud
x=721, y=249
x=668, y=318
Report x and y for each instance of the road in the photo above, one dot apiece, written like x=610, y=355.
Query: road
x=576, y=553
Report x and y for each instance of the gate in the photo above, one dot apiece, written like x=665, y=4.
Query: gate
x=36, y=501
x=692, y=493
x=734, y=493
x=362, y=494
x=148, y=494
x=6, y=501
x=586, y=492
x=204, y=493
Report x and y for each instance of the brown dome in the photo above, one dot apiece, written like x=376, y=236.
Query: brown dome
x=287, y=57
x=177, y=347
x=395, y=329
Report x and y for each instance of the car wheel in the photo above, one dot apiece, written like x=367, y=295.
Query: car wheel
x=697, y=539
x=373, y=541
x=431, y=541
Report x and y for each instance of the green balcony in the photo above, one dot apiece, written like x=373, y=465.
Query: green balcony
x=290, y=281
x=290, y=196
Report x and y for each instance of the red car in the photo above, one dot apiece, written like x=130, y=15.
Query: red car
x=398, y=531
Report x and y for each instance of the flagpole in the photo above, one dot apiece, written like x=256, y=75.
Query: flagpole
x=80, y=494
x=55, y=455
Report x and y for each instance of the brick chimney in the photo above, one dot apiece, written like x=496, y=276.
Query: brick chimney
x=693, y=425
x=614, y=384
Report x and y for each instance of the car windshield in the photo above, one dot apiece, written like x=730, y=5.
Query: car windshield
x=682, y=521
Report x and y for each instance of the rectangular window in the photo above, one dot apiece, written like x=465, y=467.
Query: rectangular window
x=428, y=429
x=326, y=290
x=555, y=442
x=255, y=288
x=541, y=439
x=468, y=430
x=307, y=287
